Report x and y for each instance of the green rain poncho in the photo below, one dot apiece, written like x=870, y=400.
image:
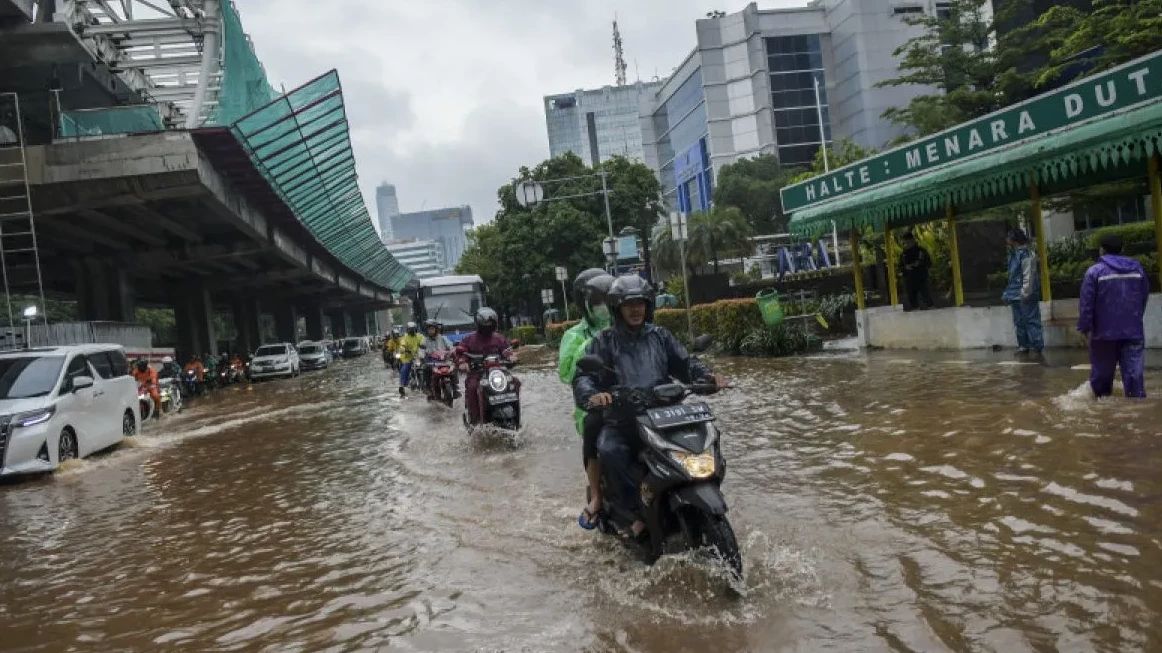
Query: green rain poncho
x=573, y=345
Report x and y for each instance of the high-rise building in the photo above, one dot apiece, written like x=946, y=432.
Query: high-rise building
x=425, y=258
x=599, y=123
x=444, y=226
x=748, y=88
x=386, y=206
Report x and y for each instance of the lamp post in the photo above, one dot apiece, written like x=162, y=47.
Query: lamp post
x=29, y=316
x=529, y=193
x=678, y=235
x=609, y=247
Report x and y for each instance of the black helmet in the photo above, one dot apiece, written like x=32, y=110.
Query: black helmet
x=627, y=288
x=591, y=292
x=486, y=319
x=141, y=364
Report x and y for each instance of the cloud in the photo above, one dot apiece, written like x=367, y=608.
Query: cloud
x=444, y=96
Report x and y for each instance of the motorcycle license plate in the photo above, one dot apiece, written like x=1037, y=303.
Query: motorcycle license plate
x=505, y=398
x=680, y=415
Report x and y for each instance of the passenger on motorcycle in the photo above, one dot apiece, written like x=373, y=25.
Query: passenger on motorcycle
x=433, y=342
x=636, y=354
x=589, y=291
x=199, y=370
x=485, y=341
x=390, y=346
x=146, y=378
x=409, y=347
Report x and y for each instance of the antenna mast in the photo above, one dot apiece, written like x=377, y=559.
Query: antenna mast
x=619, y=66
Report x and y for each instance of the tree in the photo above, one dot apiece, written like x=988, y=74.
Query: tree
x=961, y=56
x=1114, y=32
x=841, y=153
x=711, y=236
x=752, y=186
x=516, y=254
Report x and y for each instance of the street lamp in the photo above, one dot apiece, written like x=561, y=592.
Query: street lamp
x=562, y=275
x=29, y=316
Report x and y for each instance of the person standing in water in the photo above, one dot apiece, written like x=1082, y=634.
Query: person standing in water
x=1113, y=303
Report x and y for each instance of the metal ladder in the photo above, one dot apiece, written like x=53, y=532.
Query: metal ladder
x=19, y=254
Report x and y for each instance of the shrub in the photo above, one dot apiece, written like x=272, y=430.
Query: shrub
x=554, y=331
x=527, y=334
x=1132, y=233
x=782, y=340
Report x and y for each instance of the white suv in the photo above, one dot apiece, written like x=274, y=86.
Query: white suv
x=279, y=359
x=58, y=403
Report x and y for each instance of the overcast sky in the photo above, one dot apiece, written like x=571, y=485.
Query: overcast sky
x=444, y=96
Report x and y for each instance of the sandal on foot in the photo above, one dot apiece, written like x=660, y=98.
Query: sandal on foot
x=588, y=520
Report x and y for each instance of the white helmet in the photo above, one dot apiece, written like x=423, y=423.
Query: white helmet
x=167, y=359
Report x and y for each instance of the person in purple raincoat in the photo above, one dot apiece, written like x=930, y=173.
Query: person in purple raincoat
x=1113, y=301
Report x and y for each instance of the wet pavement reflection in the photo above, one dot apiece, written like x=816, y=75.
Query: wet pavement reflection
x=901, y=502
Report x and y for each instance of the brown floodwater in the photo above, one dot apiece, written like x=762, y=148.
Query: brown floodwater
x=885, y=502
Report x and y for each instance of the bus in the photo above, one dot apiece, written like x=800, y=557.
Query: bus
x=451, y=300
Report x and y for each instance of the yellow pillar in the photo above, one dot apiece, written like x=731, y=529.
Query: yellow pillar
x=1042, y=253
x=890, y=252
x=857, y=269
x=1156, y=206
x=954, y=254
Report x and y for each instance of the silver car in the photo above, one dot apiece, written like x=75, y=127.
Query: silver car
x=314, y=356
x=279, y=359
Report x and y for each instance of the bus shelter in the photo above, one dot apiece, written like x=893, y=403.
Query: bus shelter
x=1100, y=129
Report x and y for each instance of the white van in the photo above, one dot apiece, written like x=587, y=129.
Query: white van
x=58, y=403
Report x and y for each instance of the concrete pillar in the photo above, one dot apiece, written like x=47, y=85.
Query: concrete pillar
x=194, y=314
x=314, y=318
x=93, y=297
x=123, y=307
x=338, y=323
x=246, y=314
x=358, y=323
x=286, y=320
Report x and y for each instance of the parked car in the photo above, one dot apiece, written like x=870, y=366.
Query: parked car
x=353, y=347
x=277, y=359
x=314, y=356
x=59, y=403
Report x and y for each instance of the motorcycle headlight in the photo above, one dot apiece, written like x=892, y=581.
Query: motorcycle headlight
x=34, y=417
x=697, y=465
x=498, y=381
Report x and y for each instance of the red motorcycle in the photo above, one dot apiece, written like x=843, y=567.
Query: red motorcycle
x=498, y=391
x=441, y=377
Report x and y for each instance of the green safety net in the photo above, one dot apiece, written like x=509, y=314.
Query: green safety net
x=244, y=87
x=1106, y=149
x=302, y=144
x=136, y=119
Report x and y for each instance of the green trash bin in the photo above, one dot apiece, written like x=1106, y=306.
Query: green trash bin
x=769, y=306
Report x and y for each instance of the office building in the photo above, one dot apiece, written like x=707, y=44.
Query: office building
x=386, y=206
x=599, y=123
x=425, y=258
x=748, y=88
x=446, y=227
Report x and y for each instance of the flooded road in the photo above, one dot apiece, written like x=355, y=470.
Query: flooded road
x=885, y=503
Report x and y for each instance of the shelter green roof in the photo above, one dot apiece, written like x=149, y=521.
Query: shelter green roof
x=301, y=142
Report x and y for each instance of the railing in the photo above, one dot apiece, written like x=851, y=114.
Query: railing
x=105, y=121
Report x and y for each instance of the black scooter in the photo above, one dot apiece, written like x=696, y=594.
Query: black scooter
x=680, y=496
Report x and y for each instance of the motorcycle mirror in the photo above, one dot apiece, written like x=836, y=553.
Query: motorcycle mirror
x=591, y=364
x=702, y=342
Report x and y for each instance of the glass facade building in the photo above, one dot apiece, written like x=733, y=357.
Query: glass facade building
x=444, y=226
x=683, y=147
x=597, y=124
x=795, y=64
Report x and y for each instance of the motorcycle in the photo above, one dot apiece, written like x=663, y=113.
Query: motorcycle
x=145, y=402
x=190, y=385
x=441, y=377
x=680, y=451
x=171, y=396
x=498, y=391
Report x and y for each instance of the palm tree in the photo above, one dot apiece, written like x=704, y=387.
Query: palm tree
x=720, y=232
